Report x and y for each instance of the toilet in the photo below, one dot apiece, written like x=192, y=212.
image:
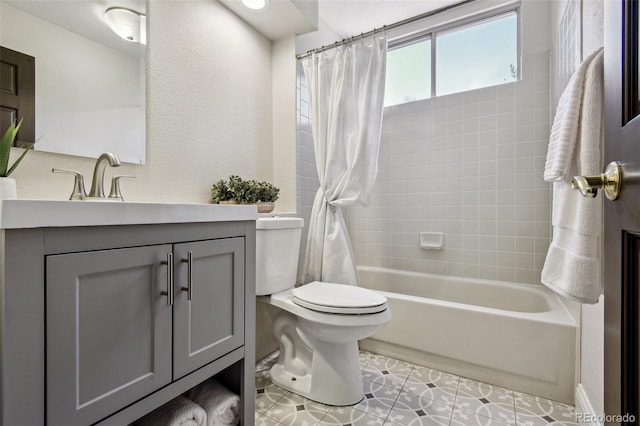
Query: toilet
x=317, y=325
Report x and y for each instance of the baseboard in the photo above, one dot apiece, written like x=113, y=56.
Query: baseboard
x=583, y=406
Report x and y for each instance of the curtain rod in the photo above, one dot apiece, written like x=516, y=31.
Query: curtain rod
x=383, y=28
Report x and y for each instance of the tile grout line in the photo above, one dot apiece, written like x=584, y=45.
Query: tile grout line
x=515, y=413
x=399, y=392
x=455, y=399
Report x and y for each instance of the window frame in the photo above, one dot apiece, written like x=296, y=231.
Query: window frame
x=431, y=33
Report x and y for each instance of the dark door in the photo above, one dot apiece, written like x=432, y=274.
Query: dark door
x=17, y=94
x=622, y=216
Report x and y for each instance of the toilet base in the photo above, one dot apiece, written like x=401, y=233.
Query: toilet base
x=333, y=378
x=319, y=357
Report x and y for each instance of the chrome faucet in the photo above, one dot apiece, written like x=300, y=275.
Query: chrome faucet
x=97, y=183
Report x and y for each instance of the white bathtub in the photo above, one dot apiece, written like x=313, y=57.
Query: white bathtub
x=512, y=335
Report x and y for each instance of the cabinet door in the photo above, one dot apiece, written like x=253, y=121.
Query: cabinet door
x=212, y=323
x=108, y=331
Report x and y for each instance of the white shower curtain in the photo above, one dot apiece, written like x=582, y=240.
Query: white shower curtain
x=346, y=88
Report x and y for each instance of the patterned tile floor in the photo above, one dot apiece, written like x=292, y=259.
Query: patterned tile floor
x=400, y=393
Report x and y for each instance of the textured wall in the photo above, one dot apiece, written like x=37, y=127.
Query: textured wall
x=208, y=111
x=284, y=122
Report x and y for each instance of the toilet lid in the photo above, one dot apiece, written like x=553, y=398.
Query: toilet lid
x=339, y=299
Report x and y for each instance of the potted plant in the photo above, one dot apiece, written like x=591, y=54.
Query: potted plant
x=267, y=196
x=7, y=184
x=236, y=190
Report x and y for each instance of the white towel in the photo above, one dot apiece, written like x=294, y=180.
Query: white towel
x=222, y=405
x=572, y=267
x=564, y=132
x=177, y=412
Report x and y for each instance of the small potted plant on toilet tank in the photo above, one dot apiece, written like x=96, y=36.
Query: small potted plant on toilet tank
x=267, y=196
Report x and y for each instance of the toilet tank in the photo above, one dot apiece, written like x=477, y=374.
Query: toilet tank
x=277, y=251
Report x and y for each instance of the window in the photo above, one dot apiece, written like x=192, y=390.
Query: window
x=408, y=73
x=453, y=59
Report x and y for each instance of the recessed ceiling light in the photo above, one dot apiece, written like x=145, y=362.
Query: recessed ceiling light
x=128, y=24
x=255, y=4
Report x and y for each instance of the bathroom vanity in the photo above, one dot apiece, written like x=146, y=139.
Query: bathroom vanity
x=109, y=310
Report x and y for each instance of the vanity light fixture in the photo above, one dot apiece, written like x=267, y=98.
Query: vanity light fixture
x=128, y=24
x=255, y=4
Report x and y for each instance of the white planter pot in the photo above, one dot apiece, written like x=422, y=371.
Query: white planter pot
x=8, y=189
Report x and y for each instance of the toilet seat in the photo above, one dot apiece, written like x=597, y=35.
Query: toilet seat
x=339, y=299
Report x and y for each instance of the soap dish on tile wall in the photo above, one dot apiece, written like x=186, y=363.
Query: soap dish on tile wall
x=431, y=240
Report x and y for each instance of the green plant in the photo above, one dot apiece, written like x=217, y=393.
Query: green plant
x=5, y=150
x=220, y=191
x=267, y=192
x=243, y=191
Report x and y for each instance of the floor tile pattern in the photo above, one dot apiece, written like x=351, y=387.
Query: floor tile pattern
x=400, y=393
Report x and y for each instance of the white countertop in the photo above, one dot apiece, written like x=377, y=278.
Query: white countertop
x=16, y=214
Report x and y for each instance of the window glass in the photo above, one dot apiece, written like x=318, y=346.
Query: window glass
x=479, y=55
x=408, y=73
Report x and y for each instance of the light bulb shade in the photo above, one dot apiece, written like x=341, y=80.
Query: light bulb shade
x=143, y=29
x=127, y=23
x=255, y=4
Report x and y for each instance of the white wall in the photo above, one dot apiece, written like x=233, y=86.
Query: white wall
x=592, y=339
x=324, y=36
x=83, y=88
x=578, y=30
x=284, y=122
x=209, y=111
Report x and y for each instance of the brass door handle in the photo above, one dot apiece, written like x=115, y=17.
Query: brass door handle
x=610, y=181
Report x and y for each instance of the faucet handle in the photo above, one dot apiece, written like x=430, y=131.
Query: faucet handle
x=78, y=184
x=115, y=186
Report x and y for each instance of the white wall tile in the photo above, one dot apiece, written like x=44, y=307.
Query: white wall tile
x=468, y=165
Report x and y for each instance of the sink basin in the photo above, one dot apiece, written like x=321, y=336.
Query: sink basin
x=15, y=214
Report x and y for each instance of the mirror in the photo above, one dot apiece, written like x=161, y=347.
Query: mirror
x=89, y=82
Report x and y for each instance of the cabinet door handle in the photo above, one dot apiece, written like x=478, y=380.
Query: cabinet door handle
x=189, y=287
x=169, y=292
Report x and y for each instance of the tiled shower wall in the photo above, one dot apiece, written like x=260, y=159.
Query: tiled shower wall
x=306, y=167
x=468, y=165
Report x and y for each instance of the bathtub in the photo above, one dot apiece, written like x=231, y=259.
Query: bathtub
x=512, y=335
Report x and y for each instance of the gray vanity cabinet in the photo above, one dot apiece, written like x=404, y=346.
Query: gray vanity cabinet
x=108, y=331
x=212, y=322
x=88, y=333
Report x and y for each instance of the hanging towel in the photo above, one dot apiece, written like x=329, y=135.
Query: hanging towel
x=564, y=132
x=177, y=412
x=572, y=267
x=221, y=405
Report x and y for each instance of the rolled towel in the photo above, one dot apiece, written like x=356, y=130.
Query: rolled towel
x=177, y=412
x=221, y=405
